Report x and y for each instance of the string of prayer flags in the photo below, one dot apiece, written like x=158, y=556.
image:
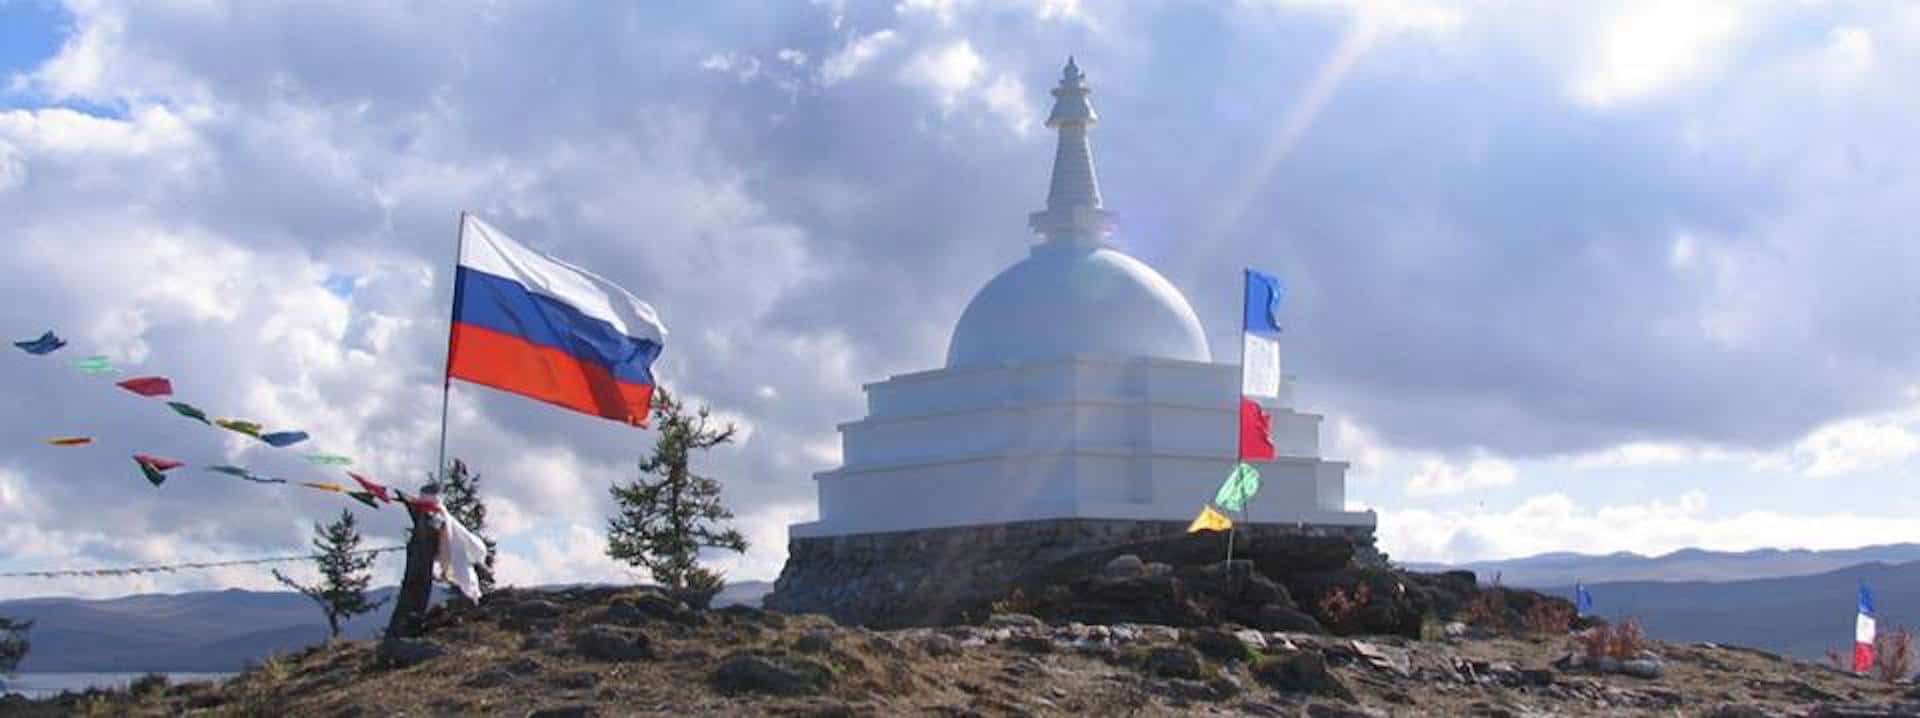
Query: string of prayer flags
x=335, y=488
x=148, y=386
x=96, y=364
x=370, y=487
x=238, y=472
x=70, y=441
x=1209, y=520
x=190, y=411
x=284, y=439
x=1239, y=488
x=46, y=344
x=328, y=460
x=155, y=467
x=245, y=427
x=365, y=498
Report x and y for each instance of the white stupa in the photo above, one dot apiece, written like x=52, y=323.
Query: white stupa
x=1078, y=385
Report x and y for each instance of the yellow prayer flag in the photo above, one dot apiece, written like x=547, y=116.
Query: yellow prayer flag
x=1209, y=520
x=335, y=488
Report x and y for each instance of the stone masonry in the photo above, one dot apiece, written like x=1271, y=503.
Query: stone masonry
x=946, y=575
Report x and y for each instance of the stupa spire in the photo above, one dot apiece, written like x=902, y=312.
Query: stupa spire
x=1074, y=210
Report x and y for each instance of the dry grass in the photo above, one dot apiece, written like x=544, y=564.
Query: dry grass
x=1622, y=640
x=1550, y=618
x=1893, y=654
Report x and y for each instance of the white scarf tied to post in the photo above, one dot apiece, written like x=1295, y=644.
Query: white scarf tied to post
x=460, y=552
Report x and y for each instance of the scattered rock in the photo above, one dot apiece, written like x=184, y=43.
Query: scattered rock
x=642, y=606
x=814, y=642
x=1275, y=617
x=1173, y=662
x=1536, y=676
x=1253, y=638
x=1125, y=566
x=1334, y=710
x=407, y=652
x=612, y=643
x=1014, y=620
x=1031, y=644
x=940, y=645
x=575, y=680
x=1730, y=710
x=1302, y=672
x=536, y=609
x=1186, y=690
x=566, y=711
x=1220, y=645
x=490, y=678
x=1642, y=668
x=776, y=675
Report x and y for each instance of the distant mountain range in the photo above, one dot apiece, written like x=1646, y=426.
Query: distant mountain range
x=1557, y=569
x=205, y=631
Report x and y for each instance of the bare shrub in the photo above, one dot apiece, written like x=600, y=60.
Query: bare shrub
x=1338, y=607
x=1551, y=618
x=1893, y=654
x=1622, y=640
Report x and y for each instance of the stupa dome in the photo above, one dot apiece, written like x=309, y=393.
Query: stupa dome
x=1074, y=294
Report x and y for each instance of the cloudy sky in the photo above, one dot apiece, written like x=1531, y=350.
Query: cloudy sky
x=1637, y=278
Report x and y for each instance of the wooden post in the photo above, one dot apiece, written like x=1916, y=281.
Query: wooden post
x=416, y=581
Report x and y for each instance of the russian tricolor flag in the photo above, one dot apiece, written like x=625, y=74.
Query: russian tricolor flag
x=1863, y=633
x=533, y=325
x=1259, y=364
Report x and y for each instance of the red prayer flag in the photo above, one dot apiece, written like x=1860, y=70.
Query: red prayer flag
x=371, y=488
x=1256, y=432
x=157, y=463
x=148, y=386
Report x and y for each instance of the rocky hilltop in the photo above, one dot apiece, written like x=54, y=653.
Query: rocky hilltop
x=1119, y=634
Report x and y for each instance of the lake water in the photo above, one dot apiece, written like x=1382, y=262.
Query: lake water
x=41, y=685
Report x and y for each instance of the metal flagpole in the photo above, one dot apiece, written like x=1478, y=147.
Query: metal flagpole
x=446, y=374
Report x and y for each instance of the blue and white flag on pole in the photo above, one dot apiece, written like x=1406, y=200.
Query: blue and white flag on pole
x=1582, y=601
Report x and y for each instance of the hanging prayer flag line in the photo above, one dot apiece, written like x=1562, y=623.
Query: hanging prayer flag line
x=70, y=441
x=244, y=427
x=188, y=410
x=135, y=570
x=530, y=324
x=238, y=472
x=328, y=460
x=96, y=364
x=284, y=439
x=1209, y=520
x=46, y=344
x=149, y=386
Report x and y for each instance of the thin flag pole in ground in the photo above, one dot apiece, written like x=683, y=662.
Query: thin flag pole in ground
x=446, y=375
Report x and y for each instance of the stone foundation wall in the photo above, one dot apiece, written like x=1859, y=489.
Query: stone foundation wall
x=936, y=576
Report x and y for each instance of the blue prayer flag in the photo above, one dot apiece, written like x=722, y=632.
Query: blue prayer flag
x=1582, y=601
x=284, y=439
x=46, y=344
x=1263, y=303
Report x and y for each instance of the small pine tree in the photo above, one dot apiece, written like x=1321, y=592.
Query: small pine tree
x=13, y=643
x=669, y=513
x=460, y=494
x=344, y=574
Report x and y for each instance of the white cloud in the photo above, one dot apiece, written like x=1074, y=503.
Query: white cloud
x=1439, y=477
x=792, y=57
x=1851, y=446
x=858, y=52
x=945, y=72
x=1654, y=46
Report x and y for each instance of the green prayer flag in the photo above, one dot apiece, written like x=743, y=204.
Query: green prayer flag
x=328, y=460
x=365, y=498
x=1240, y=487
x=152, y=474
x=96, y=364
x=188, y=410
